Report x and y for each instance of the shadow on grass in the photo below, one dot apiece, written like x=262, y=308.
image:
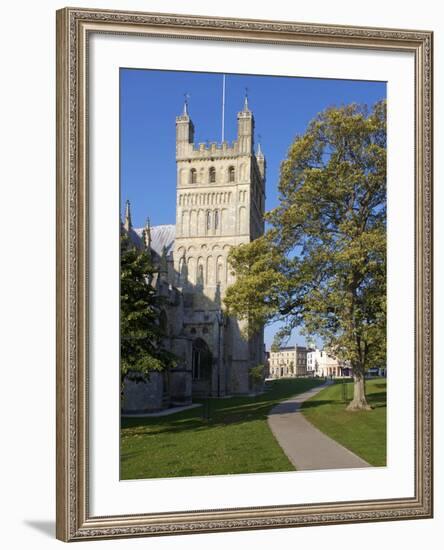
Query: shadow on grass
x=319, y=403
x=127, y=456
x=222, y=412
x=375, y=399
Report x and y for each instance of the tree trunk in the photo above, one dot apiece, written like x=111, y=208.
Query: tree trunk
x=359, y=402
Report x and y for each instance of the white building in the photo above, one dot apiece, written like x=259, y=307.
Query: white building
x=288, y=362
x=320, y=363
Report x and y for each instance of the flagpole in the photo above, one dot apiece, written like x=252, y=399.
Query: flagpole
x=223, y=108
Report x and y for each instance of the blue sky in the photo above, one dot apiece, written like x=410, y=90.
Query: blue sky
x=150, y=100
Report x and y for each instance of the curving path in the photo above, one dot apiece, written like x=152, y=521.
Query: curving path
x=306, y=447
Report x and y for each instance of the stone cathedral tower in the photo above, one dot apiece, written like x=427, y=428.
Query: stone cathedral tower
x=219, y=204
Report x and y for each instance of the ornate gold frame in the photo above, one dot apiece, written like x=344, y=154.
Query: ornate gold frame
x=73, y=519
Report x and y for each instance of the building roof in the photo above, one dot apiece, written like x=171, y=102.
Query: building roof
x=161, y=236
x=135, y=238
x=290, y=348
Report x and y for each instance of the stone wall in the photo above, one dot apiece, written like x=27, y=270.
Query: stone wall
x=143, y=397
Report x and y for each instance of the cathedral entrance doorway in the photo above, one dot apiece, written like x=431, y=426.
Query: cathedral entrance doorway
x=202, y=361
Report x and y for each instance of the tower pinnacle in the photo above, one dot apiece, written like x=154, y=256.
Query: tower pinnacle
x=163, y=267
x=147, y=234
x=127, y=223
x=184, y=131
x=245, y=128
x=259, y=152
x=185, y=103
x=246, y=109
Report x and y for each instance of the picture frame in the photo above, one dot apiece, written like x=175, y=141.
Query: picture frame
x=75, y=520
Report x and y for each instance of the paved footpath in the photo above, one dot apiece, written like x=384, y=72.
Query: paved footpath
x=306, y=447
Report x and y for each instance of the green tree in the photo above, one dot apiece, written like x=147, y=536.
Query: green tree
x=140, y=307
x=322, y=264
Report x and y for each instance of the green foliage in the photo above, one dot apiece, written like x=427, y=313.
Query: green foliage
x=257, y=293
x=322, y=264
x=140, y=308
x=257, y=374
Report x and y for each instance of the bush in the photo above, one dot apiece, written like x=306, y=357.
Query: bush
x=257, y=374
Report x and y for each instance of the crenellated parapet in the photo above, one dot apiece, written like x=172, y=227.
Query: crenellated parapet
x=186, y=149
x=208, y=151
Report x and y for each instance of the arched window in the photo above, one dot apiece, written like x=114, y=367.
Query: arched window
x=200, y=274
x=202, y=360
x=212, y=174
x=219, y=273
x=193, y=175
x=181, y=273
x=231, y=173
x=216, y=219
x=208, y=220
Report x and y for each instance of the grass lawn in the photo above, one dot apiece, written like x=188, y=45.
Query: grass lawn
x=364, y=432
x=235, y=439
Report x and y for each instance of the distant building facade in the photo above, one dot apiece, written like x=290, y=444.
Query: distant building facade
x=266, y=363
x=220, y=201
x=288, y=362
x=320, y=363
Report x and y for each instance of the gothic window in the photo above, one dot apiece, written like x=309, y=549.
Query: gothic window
x=209, y=270
x=200, y=274
x=216, y=219
x=181, y=273
x=208, y=221
x=196, y=365
x=219, y=270
x=191, y=266
x=212, y=174
x=201, y=222
x=231, y=173
x=193, y=175
x=201, y=360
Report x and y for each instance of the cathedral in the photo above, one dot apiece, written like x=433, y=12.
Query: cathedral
x=220, y=200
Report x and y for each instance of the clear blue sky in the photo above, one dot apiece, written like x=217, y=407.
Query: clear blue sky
x=150, y=100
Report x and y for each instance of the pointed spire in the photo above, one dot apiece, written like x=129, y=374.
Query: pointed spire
x=259, y=152
x=147, y=234
x=127, y=223
x=260, y=157
x=185, y=104
x=246, y=109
